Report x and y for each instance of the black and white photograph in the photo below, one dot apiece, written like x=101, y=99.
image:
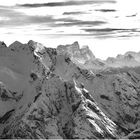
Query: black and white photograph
x=70, y=69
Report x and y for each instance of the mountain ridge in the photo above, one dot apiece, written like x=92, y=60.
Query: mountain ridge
x=45, y=93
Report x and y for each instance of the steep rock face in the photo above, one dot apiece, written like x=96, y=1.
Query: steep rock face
x=116, y=94
x=86, y=53
x=70, y=48
x=119, y=99
x=78, y=55
x=82, y=57
x=35, y=103
x=2, y=45
x=133, y=135
x=45, y=93
x=63, y=110
x=19, y=71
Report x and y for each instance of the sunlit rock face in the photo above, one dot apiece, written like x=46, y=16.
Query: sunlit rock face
x=83, y=56
x=76, y=53
x=70, y=48
x=46, y=94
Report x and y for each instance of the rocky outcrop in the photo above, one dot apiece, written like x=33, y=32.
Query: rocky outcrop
x=2, y=45
x=46, y=94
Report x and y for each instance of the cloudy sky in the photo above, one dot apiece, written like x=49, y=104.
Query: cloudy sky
x=109, y=27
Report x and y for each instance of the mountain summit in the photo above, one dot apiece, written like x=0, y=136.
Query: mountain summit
x=48, y=93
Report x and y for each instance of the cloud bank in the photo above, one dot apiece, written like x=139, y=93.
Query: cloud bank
x=66, y=3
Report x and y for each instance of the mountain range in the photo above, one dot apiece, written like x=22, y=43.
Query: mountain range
x=67, y=93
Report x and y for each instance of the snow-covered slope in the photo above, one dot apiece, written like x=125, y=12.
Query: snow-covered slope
x=48, y=93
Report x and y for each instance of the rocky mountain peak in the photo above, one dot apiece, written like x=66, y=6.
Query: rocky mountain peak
x=46, y=94
x=79, y=55
x=69, y=48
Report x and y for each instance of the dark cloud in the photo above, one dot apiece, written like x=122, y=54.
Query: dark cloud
x=132, y=15
x=66, y=3
x=22, y=20
x=112, y=32
x=73, y=13
x=14, y=18
x=106, y=10
x=43, y=29
x=71, y=22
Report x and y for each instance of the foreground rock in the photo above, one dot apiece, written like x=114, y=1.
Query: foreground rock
x=46, y=93
x=62, y=110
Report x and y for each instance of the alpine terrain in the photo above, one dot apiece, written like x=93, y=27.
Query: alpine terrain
x=67, y=93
